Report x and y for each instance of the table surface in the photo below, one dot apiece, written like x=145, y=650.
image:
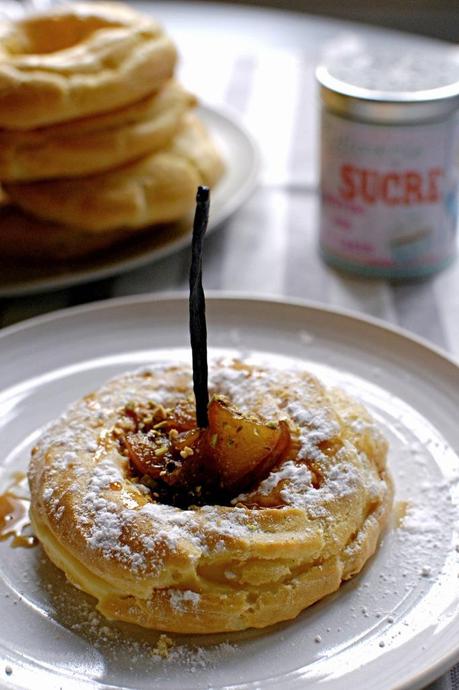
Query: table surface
x=260, y=63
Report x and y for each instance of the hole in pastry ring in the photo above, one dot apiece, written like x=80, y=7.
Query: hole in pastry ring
x=157, y=188
x=78, y=60
x=96, y=143
x=215, y=568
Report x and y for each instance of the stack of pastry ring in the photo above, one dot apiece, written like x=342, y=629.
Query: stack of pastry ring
x=97, y=139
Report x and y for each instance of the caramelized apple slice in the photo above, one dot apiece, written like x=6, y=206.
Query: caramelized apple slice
x=175, y=461
x=230, y=455
x=148, y=456
x=243, y=449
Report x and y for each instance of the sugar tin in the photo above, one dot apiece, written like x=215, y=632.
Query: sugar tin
x=389, y=159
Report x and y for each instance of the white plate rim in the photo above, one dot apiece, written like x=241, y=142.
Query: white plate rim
x=118, y=266
x=229, y=295
x=417, y=679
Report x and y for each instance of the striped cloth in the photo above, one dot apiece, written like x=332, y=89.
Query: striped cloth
x=269, y=246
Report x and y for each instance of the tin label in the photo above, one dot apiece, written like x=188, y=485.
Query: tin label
x=389, y=195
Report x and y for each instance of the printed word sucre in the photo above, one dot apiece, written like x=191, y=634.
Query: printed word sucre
x=394, y=188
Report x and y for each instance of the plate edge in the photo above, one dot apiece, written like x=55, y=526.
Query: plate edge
x=228, y=296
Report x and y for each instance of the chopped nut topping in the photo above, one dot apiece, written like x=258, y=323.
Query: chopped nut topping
x=162, y=424
x=184, y=465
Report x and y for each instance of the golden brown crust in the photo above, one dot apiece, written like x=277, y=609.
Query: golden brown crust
x=77, y=60
x=215, y=568
x=97, y=143
x=158, y=188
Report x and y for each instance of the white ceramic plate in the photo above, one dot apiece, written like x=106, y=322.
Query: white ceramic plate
x=396, y=625
x=242, y=164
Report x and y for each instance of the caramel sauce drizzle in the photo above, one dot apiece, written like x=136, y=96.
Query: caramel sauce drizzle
x=14, y=514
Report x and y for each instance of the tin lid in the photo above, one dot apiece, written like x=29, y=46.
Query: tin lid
x=392, y=82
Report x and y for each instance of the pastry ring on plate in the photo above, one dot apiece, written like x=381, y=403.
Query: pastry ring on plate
x=310, y=520
x=158, y=188
x=96, y=143
x=78, y=60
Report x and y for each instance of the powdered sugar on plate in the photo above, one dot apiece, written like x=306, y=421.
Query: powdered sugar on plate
x=146, y=651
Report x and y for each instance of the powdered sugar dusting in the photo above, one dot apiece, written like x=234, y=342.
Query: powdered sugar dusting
x=299, y=475
x=315, y=427
x=104, y=520
x=183, y=600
